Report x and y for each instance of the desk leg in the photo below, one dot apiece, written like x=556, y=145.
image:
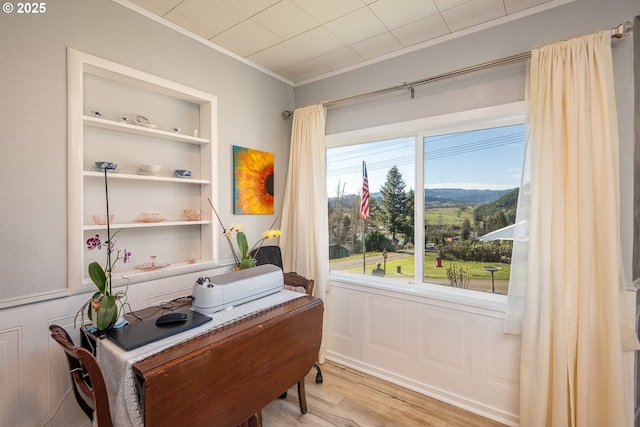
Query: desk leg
x=302, y=397
x=254, y=421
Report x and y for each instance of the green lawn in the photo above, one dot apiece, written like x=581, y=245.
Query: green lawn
x=431, y=271
x=448, y=215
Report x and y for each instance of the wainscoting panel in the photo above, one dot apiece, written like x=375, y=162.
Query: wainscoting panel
x=445, y=340
x=386, y=321
x=501, y=370
x=452, y=351
x=10, y=376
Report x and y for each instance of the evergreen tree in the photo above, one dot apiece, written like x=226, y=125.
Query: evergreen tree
x=393, y=206
x=466, y=229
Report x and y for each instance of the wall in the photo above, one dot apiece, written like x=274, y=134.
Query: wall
x=394, y=336
x=33, y=176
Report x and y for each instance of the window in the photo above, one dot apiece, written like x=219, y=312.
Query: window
x=467, y=167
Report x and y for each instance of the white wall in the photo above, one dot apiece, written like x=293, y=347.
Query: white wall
x=33, y=175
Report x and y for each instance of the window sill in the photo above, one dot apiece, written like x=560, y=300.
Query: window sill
x=460, y=299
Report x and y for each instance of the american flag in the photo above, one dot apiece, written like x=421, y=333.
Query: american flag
x=364, y=197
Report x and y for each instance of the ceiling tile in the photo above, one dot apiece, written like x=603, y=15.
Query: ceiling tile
x=421, y=31
x=340, y=58
x=286, y=19
x=159, y=7
x=396, y=13
x=513, y=6
x=473, y=13
x=212, y=14
x=300, y=39
x=188, y=24
x=317, y=42
x=328, y=10
x=377, y=46
x=356, y=26
x=280, y=56
x=246, y=38
x=250, y=7
x=448, y=4
x=305, y=70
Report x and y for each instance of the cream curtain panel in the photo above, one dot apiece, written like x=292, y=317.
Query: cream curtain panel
x=573, y=329
x=304, y=210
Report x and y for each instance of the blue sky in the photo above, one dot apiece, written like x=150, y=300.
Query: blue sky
x=484, y=159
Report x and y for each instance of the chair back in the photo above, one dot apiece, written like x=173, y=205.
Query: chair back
x=268, y=255
x=86, y=377
x=292, y=280
x=295, y=281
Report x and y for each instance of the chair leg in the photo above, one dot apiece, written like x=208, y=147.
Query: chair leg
x=319, y=378
x=302, y=397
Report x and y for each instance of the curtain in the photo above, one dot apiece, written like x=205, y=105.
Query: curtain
x=304, y=210
x=573, y=327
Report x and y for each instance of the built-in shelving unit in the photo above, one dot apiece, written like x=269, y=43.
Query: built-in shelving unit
x=107, y=102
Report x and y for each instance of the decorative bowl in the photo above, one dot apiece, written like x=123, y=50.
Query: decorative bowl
x=150, y=168
x=183, y=173
x=101, y=219
x=191, y=214
x=149, y=217
x=109, y=166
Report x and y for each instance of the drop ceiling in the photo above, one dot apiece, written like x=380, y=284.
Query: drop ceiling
x=304, y=40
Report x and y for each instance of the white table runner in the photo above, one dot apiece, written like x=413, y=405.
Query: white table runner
x=116, y=363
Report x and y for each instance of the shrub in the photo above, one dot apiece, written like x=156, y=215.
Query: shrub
x=458, y=276
x=466, y=250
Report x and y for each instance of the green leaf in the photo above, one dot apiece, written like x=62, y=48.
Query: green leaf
x=96, y=273
x=247, y=263
x=89, y=305
x=107, y=312
x=243, y=244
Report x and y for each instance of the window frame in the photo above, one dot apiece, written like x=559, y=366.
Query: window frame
x=483, y=118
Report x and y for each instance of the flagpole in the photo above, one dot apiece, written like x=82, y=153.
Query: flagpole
x=364, y=252
x=364, y=213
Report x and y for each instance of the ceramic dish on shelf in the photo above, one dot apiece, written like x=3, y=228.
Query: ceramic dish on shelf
x=151, y=170
x=109, y=166
x=153, y=265
x=191, y=214
x=101, y=219
x=147, y=217
x=183, y=173
x=143, y=121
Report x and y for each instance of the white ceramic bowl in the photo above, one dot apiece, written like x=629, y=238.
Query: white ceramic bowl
x=150, y=168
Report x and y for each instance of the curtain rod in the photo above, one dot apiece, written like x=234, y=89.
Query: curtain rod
x=619, y=32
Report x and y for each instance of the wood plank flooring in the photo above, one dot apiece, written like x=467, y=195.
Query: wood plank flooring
x=353, y=399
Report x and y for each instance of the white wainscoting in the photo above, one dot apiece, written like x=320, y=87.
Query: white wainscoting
x=452, y=351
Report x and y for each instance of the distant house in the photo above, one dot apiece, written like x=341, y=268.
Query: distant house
x=338, y=251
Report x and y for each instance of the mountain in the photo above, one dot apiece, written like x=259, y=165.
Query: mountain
x=507, y=204
x=456, y=196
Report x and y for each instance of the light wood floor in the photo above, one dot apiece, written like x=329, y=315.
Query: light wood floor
x=351, y=398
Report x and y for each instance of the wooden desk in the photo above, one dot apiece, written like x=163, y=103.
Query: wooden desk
x=224, y=377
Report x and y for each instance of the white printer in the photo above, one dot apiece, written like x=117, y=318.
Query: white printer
x=216, y=293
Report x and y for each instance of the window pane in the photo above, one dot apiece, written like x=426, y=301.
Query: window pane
x=471, y=182
x=390, y=166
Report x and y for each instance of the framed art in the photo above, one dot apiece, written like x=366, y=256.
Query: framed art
x=252, y=181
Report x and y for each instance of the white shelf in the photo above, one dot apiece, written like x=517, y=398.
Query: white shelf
x=144, y=224
x=134, y=177
x=98, y=122
x=96, y=83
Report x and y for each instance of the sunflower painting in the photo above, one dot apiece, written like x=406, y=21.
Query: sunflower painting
x=252, y=181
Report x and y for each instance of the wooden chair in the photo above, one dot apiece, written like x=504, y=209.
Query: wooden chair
x=292, y=281
x=86, y=378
